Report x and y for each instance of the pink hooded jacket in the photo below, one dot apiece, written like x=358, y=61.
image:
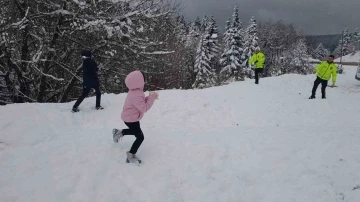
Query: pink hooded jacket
x=136, y=104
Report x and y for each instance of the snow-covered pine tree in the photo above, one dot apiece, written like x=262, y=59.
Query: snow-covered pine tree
x=355, y=41
x=320, y=52
x=337, y=51
x=192, y=43
x=254, y=39
x=204, y=23
x=192, y=35
x=213, y=37
x=204, y=72
x=242, y=59
x=227, y=33
x=181, y=29
x=346, y=42
x=356, y=37
x=299, y=59
x=206, y=55
x=197, y=23
x=230, y=59
x=251, y=43
x=235, y=17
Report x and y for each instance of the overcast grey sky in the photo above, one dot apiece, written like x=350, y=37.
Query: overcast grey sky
x=312, y=16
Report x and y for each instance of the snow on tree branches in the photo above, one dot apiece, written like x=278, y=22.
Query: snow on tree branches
x=299, y=59
x=320, y=52
x=231, y=58
x=205, y=62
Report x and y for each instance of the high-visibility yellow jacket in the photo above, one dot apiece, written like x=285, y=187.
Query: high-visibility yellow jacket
x=325, y=70
x=258, y=59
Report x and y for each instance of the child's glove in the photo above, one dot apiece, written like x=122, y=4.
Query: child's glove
x=154, y=95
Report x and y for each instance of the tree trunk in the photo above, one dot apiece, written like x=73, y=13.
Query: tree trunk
x=43, y=79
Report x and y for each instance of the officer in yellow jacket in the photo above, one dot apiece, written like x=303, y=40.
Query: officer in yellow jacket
x=323, y=72
x=259, y=60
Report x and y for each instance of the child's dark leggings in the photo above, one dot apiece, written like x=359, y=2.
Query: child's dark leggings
x=134, y=129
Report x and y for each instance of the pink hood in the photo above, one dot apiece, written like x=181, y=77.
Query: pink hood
x=136, y=104
x=135, y=80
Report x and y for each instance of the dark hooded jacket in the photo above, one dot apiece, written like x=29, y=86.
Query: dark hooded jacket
x=90, y=70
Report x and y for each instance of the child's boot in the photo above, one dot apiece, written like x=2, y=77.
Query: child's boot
x=117, y=134
x=132, y=158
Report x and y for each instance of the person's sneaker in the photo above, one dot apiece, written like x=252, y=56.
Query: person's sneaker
x=99, y=108
x=117, y=134
x=132, y=158
x=75, y=109
x=312, y=97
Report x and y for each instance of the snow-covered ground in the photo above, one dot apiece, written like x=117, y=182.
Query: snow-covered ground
x=240, y=142
x=310, y=59
x=352, y=57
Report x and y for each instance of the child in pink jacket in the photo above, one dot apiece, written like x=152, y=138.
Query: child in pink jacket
x=135, y=106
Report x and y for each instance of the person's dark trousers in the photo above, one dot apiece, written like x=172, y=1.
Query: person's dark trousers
x=257, y=72
x=134, y=129
x=85, y=93
x=317, y=82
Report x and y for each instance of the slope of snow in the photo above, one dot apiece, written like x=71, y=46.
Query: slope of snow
x=310, y=59
x=352, y=57
x=240, y=142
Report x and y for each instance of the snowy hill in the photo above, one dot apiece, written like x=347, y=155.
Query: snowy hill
x=240, y=142
x=352, y=57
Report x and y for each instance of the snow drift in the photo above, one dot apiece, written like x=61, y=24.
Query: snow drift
x=240, y=142
x=352, y=57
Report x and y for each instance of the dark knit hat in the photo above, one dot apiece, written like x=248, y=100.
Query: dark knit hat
x=86, y=53
x=144, y=75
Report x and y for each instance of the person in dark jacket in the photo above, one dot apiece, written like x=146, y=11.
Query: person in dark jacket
x=90, y=80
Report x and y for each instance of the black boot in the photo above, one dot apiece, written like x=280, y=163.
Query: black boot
x=312, y=97
x=99, y=108
x=75, y=109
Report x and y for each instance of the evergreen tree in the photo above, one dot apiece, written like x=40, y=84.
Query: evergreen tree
x=254, y=39
x=181, y=29
x=346, y=42
x=337, y=51
x=206, y=55
x=197, y=23
x=355, y=41
x=213, y=37
x=236, y=20
x=193, y=35
x=242, y=59
x=227, y=33
x=204, y=73
x=251, y=40
x=356, y=36
x=320, y=52
x=204, y=23
x=230, y=58
x=299, y=59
